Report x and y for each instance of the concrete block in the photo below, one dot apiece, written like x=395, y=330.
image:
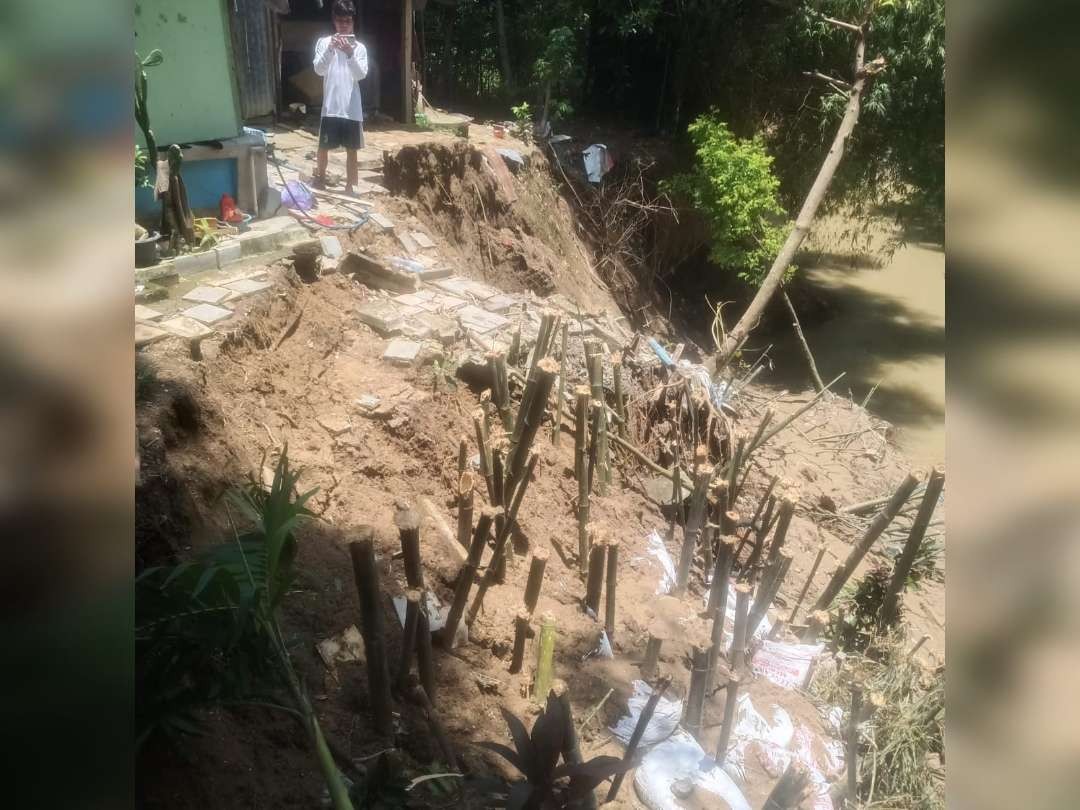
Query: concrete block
x=478, y=320
x=253, y=243
x=145, y=334
x=207, y=313
x=422, y=239
x=147, y=313
x=163, y=273
x=466, y=288
x=204, y=294
x=499, y=303
x=383, y=316
x=228, y=253
x=382, y=221
x=331, y=246
x=248, y=286
x=189, y=263
x=408, y=242
x=185, y=327
x=401, y=352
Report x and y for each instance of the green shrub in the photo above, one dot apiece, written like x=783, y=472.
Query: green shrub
x=733, y=187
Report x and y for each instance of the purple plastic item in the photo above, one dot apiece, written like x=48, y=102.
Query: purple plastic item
x=297, y=196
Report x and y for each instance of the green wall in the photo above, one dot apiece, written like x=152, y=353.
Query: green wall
x=192, y=93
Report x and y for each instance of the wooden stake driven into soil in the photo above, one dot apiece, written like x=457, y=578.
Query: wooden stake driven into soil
x=790, y=790
x=522, y=631
x=819, y=620
x=620, y=403
x=571, y=750
x=731, y=699
x=609, y=592
x=545, y=657
x=695, y=698
x=809, y=581
x=783, y=522
x=485, y=454
x=366, y=574
x=766, y=596
x=556, y=429
x=767, y=522
x=737, y=655
x=725, y=555
x=658, y=690
x=757, y=513
x=536, y=578
x=594, y=361
x=465, y=508
x=652, y=656
x=595, y=581
x=873, y=532
x=462, y=456
x=500, y=389
x=695, y=518
x=438, y=731
x=408, y=638
x=890, y=605
x=467, y=575
x=408, y=525
x=581, y=472
x=530, y=414
x=425, y=658
x=500, y=542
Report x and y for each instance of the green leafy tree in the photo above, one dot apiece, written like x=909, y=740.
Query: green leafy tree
x=733, y=187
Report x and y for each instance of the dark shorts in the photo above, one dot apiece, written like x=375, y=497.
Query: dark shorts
x=338, y=132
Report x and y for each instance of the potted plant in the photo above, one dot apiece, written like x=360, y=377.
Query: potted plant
x=145, y=242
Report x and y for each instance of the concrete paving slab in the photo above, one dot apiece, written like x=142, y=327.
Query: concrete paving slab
x=207, y=313
x=401, y=352
x=422, y=239
x=331, y=246
x=248, y=286
x=382, y=221
x=145, y=334
x=185, y=327
x=385, y=317
x=407, y=242
x=204, y=294
x=147, y=313
x=466, y=288
x=478, y=320
x=500, y=303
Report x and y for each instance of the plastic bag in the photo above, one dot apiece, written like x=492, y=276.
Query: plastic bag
x=659, y=550
x=662, y=724
x=296, y=195
x=786, y=665
x=680, y=757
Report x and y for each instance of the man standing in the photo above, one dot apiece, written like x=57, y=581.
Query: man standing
x=342, y=62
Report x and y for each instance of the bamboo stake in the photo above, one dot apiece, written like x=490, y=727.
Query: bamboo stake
x=620, y=404
x=873, y=532
x=809, y=582
x=571, y=747
x=733, y=472
x=890, y=606
x=536, y=578
x=639, y=731
x=462, y=456
x=408, y=637
x=789, y=791
x=530, y=414
x=366, y=574
x=467, y=575
x=725, y=556
x=757, y=513
x=652, y=656
x=692, y=530
x=521, y=633
x=819, y=620
x=595, y=366
x=730, y=701
x=729, y=522
x=581, y=471
x=545, y=658
x=556, y=429
x=783, y=521
x=695, y=698
x=783, y=565
x=767, y=521
x=425, y=658
x=408, y=525
x=465, y=508
x=818, y=384
x=737, y=655
x=485, y=454
x=515, y=346
x=595, y=581
x=500, y=389
x=438, y=731
x=543, y=340
x=609, y=592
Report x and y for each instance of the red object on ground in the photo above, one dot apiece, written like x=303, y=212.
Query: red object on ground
x=229, y=211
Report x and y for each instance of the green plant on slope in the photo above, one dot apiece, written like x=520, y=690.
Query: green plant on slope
x=207, y=630
x=733, y=187
x=522, y=122
x=548, y=784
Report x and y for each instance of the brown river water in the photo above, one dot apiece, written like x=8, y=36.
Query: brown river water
x=886, y=327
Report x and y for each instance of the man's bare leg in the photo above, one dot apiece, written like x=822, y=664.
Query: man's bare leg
x=352, y=171
x=321, y=159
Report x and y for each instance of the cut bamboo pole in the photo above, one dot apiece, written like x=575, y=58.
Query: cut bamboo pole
x=729, y=522
x=515, y=346
x=652, y=656
x=462, y=455
x=581, y=394
x=767, y=521
x=708, y=541
x=790, y=790
x=545, y=658
x=783, y=565
x=595, y=580
x=731, y=699
x=639, y=731
x=609, y=588
x=544, y=337
x=366, y=574
x=890, y=606
x=757, y=513
x=521, y=634
x=536, y=578
x=918, y=644
x=425, y=658
x=408, y=638
x=853, y=744
x=819, y=620
x=500, y=389
x=438, y=731
x=485, y=454
x=809, y=581
x=692, y=530
x=783, y=522
x=408, y=525
x=737, y=655
x=620, y=403
x=695, y=698
x=594, y=360
x=500, y=542
x=556, y=429
x=530, y=415
x=873, y=532
x=571, y=749
x=737, y=460
x=465, y=508
x=467, y=575
x=725, y=555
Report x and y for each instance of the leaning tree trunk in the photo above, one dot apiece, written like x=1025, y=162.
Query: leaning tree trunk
x=771, y=284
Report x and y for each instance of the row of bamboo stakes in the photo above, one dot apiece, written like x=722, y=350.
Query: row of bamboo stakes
x=710, y=527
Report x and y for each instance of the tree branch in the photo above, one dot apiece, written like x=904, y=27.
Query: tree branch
x=841, y=24
x=839, y=84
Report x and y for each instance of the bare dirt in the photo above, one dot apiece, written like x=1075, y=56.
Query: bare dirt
x=205, y=426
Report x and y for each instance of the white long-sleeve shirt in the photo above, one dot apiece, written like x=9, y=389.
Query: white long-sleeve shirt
x=341, y=72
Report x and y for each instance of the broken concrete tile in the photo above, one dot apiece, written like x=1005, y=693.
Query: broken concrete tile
x=447, y=303
x=499, y=303
x=334, y=424
x=331, y=246
x=372, y=272
x=435, y=273
x=422, y=239
x=208, y=313
x=384, y=317
x=368, y=402
x=466, y=288
x=479, y=320
x=145, y=334
x=440, y=327
x=407, y=242
x=416, y=299
x=247, y=286
x=382, y=221
x=403, y=352
x=206, y=295
x=147, y=313
x=185, y=327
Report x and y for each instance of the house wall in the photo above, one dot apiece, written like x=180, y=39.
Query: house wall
x=192, y=94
